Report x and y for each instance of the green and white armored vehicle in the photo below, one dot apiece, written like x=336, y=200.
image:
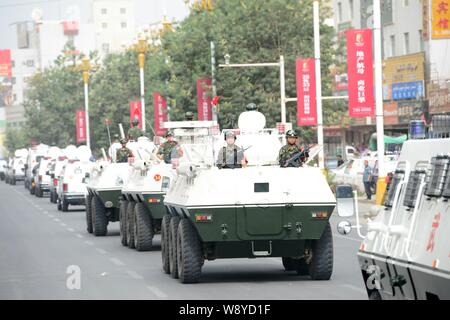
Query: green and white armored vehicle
x=405, y=253
x=104, y=187
x=257, y=211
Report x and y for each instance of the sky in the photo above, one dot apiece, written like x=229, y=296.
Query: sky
x=11, y=11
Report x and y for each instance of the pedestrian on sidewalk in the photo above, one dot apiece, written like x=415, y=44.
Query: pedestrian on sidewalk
x=367, y=179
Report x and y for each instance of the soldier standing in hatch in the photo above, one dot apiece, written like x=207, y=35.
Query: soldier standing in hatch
x=168, y=149
x=291, y=155
x=189, y=116
x=135, y=132
x=231, y=156
x=123, y=153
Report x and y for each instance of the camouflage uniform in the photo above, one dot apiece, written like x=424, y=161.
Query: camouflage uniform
x=230, y=157
x=286, y=152
x=123, y=154
x=166, y=149
x=134, y=133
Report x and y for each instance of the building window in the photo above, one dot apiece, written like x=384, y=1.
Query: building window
x=123, y=25
x=339, y=12
x=104, y=11
x=406, y=36
x=393, y=46
x=351, y=9
x=123, y=10
x=104, y=25
x=105, y=47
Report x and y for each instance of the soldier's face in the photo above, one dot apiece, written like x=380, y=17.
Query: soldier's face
x=170, y=138
x=292, y=140
x=230, y=140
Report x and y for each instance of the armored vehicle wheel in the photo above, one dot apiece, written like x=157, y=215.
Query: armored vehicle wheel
x=38, y=192
x=89, y=226
x=173, y=235
x=51, y=196
x=99, y=220
x=65, y=205
x=123, y=222
x=130, y=224
x=165, y=225
x=321, y=266
x=13, y=181
x=58, y=205
x=189, y=253
x=32, y=190
x=143, y=228
x=375, y=295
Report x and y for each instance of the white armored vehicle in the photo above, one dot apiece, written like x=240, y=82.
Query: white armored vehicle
x=405, y=253
x=257, y=211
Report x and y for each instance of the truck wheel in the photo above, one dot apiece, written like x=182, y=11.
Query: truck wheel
x=321, y=266
x=89, y=226
x=65, y=205
x=99, y=220
x=32, y=189
x=165, y=225
x=51, y=197
x=173, y=235
x=38, y=192
x=58, y=205
x=123, y=221
x=143, y=228
x=189, y=253
x=130, y=224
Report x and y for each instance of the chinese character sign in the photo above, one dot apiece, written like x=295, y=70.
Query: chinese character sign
x=360, y=73
x=440, y=19
x=160, y=108
x=80, y=125
x=306, y=92
x=204, y=100
x=136, y=112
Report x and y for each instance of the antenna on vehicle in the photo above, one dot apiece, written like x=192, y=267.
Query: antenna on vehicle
x=122, y=133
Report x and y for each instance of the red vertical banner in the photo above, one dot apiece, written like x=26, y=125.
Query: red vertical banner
x=306, y=92
x=360, y=73
x=204, y=100
x=136, y=112
x=5, y=64
x=160, y=107
x=81, y=126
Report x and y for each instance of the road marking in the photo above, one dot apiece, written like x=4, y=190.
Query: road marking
x=88, y=242
x=63, y=224
x=157, y=292
x=101, y=250
x=56, y=220
x=70, y=230
x=79, y=235
x=51, y=216
x=117, y=261
x=134, y=275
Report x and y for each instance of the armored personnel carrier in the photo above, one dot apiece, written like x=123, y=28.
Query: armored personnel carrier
x=405, y=252
x=104, y=190
x=257, y=211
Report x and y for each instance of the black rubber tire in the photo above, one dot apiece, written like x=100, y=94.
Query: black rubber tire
x=32, y=189
x=99, y=219
x=64, y=205
x=375, y=295
x=173, y=235
x=123, y=222
x=58, y=205
x=142, y=228
x=13, y=182
x=165, y=225
x=38, y=192
x=321, y=266
x=189, y=253
x=130, y=224
x=89, y=226
x=51, y=197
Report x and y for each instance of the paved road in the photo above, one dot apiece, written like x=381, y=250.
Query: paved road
x=38, y=244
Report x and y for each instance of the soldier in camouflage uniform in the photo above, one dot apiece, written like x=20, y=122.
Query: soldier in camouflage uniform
x=169, y=149
x=135, y=132
x=291, y=150
x=123, y=153
x=231, y=156
x=189, y=116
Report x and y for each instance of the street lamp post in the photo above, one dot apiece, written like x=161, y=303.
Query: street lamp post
x=85, y=67
x=142, y=48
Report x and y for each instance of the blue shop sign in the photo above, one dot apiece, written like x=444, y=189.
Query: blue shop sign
x=408, y=90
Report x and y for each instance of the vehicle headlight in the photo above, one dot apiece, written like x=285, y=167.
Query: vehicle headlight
x=108, y=204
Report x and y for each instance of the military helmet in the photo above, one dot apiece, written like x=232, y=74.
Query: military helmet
x=291, y=133
x=116, y=136
x=189, y=115
x=230, y=134
x=123, y=141
x=251, y=107
x=135, y=121
x=169, y=134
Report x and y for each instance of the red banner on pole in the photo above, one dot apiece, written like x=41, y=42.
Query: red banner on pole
x=360, y=73
x=81, y=126
x=160, y=107
x=306, y=92
x=5, y=64
x=204, y=102
x=136, y=112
